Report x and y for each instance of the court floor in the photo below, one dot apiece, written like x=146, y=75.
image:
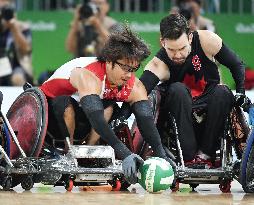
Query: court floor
x=48, y=195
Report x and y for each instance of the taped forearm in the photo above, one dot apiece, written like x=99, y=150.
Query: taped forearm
x=143, y=113
x=93, y=108
x=228, y=58
x=149, y=80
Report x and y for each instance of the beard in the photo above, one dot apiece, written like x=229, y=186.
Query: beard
x=179, y=61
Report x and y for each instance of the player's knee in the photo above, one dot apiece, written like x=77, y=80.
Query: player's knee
x=223, y=92
x=178, y=89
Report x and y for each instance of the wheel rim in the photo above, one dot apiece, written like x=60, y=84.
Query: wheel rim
x=117, y=186
x=69, y=185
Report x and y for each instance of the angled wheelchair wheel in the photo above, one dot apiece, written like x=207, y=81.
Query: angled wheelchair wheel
x=139, y=145
x=28, y=117
x=247, y=166
x=240, y=131
x=123, y=132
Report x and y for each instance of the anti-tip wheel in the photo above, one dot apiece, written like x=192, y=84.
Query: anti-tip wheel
x=27, y=183
x=69, y=185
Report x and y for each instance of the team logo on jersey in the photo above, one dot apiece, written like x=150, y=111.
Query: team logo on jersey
x=114, y=93
x=196, y=63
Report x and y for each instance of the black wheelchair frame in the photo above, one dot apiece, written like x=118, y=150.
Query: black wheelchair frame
x=234, y=136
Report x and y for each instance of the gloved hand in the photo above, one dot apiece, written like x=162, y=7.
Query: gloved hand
x=130, y=166
x=243, y=101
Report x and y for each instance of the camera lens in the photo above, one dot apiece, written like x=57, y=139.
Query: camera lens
x=7, y=13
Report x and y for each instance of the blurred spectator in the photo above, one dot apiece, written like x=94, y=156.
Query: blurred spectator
x=187, y=12
x=249, y=78
x=44, y=76
x=201, y=22
x=214, y=6
x=174, y=10
x=15, y=48
x=90, y=28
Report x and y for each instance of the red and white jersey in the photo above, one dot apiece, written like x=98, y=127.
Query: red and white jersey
x=59, y=83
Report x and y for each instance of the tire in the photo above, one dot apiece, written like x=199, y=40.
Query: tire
x=247, y=165
x=27, y=183
x=7, y=185
x=31, y=125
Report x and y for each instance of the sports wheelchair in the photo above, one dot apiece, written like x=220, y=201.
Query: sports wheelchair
x=25, y=157
x=234, y=140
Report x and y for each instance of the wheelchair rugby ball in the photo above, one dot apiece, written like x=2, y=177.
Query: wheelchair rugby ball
x=155, y=175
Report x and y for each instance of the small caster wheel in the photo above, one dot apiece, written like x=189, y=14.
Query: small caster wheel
x=27, y=183
x=225, y=187
x=175, y=186
x=69, y=185
x=7, y=184
x=124, y=185
x=194, y=186
x=116, y=185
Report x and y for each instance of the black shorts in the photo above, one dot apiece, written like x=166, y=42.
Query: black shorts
x=56, y=125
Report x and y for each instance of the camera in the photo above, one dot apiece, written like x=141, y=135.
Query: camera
x=88, y=9
x=6, y=13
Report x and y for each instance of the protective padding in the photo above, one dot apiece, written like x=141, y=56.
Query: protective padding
x=139, y=146
x=28, y=117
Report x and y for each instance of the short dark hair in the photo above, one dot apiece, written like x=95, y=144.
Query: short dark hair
x=173, y=26
x=124, y=44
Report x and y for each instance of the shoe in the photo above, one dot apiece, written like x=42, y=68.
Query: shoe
x=189, y=163
x=198, y=163
x=205, y=162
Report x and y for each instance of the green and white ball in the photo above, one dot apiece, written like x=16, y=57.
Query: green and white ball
x=155, y=175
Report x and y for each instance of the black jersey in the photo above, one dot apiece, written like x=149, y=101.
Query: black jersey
x=198, y=72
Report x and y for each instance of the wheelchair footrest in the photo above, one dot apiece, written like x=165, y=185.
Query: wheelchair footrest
x=188, y=175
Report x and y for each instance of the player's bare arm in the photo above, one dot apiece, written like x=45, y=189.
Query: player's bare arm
x=210, y=42
x=214, y=48
x=159, y=68
x=138, y=92
x=85, y=82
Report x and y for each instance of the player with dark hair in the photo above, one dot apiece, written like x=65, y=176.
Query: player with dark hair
x=191, y=86
x=99, y=83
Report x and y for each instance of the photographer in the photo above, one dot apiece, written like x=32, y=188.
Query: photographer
x=90, y=28
x=15, y=48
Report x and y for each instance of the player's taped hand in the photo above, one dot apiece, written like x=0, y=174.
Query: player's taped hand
x=243, y=101
x=130, y=166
